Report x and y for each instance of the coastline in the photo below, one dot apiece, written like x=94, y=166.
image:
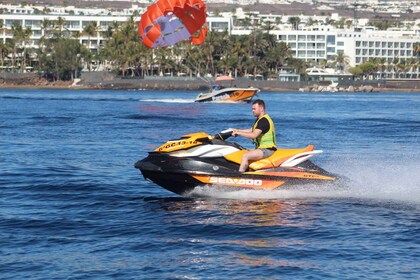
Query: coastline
x=109, y=81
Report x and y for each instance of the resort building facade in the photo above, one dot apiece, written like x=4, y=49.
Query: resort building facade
x=314, y=45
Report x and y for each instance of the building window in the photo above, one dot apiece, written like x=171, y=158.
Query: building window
x=301, y=38
x=301, y=53
x=340, y=43
x=330, y=40
x=292, y=37
x=219, y=26
x=33, y=23
x=282, y=37
x=9, y=22
x=311, y=53
x=72, y=24
x=320, y=38
x=85, y=23
x=36, y=33
x=330, y=50
x=311, y=37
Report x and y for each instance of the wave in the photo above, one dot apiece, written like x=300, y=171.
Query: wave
x=65, y=96
x=376, y=181
x=176, y=100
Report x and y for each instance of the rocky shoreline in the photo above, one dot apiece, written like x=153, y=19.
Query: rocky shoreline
x=107, y=80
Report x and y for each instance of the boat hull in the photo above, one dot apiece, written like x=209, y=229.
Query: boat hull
x=228, y=95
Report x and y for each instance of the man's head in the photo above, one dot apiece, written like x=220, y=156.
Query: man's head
x=258, y=108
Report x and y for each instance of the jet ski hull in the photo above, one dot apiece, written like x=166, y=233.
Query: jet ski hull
x=182, y=175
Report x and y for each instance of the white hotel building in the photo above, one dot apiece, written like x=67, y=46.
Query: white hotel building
x=324, y=43
x=314, y=45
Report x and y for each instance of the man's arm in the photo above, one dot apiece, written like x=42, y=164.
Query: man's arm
x=241, y=130
x=247, y=133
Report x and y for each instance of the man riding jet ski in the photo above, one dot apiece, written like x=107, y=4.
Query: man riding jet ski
x=200, y=159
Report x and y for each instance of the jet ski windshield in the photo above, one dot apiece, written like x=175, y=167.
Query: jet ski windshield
x=223, y=135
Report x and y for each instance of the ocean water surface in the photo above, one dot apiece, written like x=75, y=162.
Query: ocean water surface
x=72, y=205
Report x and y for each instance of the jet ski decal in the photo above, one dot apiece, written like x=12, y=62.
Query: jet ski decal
x=186, y=141
x=298, y=174
x=239, y=182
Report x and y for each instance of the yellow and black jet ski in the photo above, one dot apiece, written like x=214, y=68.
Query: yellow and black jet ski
x=201, y=159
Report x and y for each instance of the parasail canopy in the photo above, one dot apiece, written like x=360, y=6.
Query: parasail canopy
x=167, y=22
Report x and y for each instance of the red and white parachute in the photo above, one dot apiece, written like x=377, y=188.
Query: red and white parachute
x=167, y=22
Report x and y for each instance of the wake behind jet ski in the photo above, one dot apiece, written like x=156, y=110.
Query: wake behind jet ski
x=200, y=159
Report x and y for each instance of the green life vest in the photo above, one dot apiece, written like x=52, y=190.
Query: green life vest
x=268, y=139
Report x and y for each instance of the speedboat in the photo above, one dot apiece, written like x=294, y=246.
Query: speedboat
x=229, y=94
x=200, y=159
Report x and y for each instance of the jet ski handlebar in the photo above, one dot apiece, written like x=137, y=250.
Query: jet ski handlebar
x=223, y=135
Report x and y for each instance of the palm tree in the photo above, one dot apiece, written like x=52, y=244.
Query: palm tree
x=239, y=54
x=3, y=46
x=59, y=26
x=298, y=64
x=412, y=64
x=294, y=21
x=381, y=66
x=21, y=37
x=416, y=49
x=4, y=51
x=45, y=27
x=91, y=30
x=402, y=68
x=341, y=60
x=394, y=67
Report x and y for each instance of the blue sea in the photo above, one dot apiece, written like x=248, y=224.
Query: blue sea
x=72, y=205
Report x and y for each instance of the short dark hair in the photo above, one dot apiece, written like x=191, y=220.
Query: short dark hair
x=259, y=102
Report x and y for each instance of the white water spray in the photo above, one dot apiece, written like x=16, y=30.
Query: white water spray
x=374, y=181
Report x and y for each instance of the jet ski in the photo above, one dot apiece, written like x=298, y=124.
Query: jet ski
x=200, y=159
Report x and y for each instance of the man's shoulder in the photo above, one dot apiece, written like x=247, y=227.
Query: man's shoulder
x=263, y=124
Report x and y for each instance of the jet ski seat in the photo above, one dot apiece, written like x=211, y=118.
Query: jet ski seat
x=275, y=160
